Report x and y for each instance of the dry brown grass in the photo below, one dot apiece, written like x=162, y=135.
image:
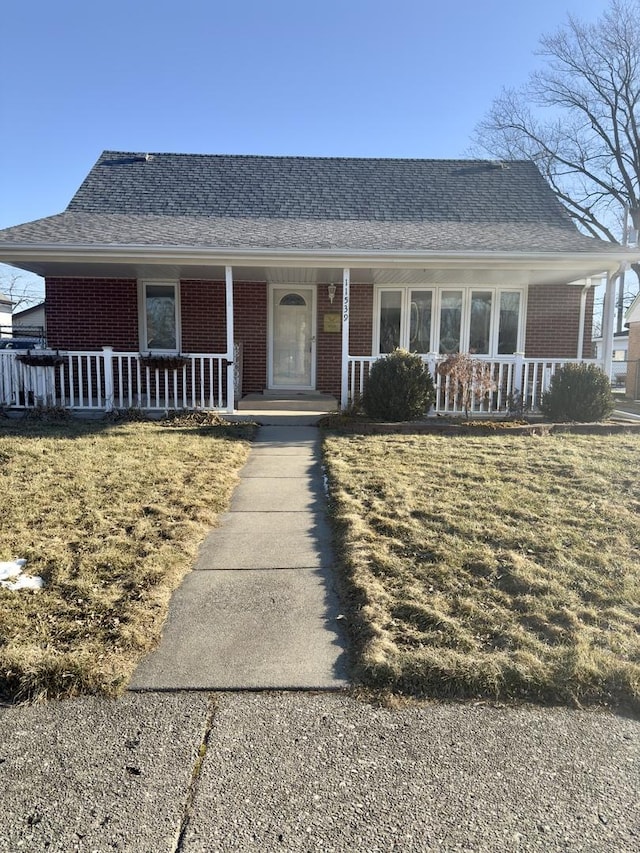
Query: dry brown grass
x=501, y=566
x=111, y=516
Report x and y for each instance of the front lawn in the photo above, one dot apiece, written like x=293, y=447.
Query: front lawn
x=504, y=566
x=110, y=515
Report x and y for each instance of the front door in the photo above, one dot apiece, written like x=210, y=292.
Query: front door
x=293, y=341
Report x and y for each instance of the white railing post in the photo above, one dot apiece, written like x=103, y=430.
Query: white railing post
x=107, y=362
x=346, y=302
x=230, y=348
x=432, y=364
x=518, y=370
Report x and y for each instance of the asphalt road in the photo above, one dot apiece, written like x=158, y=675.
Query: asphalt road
x=314, y=772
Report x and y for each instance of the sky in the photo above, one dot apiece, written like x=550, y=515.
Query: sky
x=401, y=78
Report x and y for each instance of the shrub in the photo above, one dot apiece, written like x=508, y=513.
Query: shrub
x=469, y=379
x=399, y=388
x=578, y=392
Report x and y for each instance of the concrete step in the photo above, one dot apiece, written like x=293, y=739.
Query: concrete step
x=284, y=401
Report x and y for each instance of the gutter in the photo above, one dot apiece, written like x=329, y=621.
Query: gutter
x=225, y=256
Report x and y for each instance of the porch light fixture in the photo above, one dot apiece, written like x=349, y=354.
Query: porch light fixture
x=331, y=290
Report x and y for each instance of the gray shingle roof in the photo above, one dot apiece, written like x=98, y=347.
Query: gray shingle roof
x=98, y=229
x=310, y=203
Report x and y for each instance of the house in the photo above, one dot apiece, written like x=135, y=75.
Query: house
x=31, y=322
x=618, y=356
x=172, y=278
x=632, y=320
x=5, y=315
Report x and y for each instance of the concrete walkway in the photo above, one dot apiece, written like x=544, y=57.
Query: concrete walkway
x=259, y=611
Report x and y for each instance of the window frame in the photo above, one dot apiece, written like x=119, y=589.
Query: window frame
x=437, y=292
x=142, y=315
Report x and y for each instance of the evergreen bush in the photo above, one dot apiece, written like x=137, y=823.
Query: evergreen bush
x=578, y=392
x=399, y=388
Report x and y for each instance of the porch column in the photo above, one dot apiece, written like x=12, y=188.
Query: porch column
x=581, y=324
x=230, y=354
x=608, y=318
x=346, y=296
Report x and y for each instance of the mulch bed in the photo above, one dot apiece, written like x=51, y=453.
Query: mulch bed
x=443, y=426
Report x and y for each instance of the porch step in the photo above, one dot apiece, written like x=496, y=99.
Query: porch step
x=288, y=401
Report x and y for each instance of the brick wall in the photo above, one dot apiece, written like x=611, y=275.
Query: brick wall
x=89, y=313
x=633, y=362
x=329, y=344
x=204, y=322
x=553, y=321
x=250, y=326
x=203, y=311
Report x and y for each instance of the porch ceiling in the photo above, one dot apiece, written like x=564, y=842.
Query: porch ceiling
x=437, y=271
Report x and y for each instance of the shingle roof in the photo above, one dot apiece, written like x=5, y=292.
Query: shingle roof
x=93, y=229
x=311, y=203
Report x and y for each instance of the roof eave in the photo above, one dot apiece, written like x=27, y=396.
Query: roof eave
x=186, y=255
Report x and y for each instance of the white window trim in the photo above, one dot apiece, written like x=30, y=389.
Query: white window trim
x=142, y=314
x=465, y=330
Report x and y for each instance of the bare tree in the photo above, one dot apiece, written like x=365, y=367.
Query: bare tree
x=22, y=289
x=578, y=118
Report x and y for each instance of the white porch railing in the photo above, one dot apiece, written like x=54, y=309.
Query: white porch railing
x=518, y=383
x=107, y=380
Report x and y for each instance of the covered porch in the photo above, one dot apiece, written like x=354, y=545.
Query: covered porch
x=322, y=326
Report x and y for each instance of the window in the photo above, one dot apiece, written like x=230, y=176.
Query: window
x=486, y=321
x=160, y=327
x=390, y=315
x=480, y=322
x=292, y=299
x=508, y=323
x=420, y=321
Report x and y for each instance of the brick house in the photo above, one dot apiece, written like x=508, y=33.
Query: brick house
x=303, y=271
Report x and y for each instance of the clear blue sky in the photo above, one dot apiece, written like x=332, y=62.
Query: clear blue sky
x=400, y=78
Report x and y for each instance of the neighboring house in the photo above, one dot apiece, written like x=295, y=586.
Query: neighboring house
x=308, y=269
x=5, y=315
x=31, y=322
x=632, y=320
x=618, y=373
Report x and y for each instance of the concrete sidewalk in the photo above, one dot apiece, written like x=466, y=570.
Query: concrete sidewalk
x=170, y=773
x=260, y=610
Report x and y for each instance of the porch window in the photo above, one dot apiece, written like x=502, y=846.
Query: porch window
x=480, y=322
x=450, y=321
x=420, y=321
x=390, y=315
x=160, y=327
x=486, y=322
x=509, y=323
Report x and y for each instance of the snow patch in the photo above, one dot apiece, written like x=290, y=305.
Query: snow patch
x=12, y=576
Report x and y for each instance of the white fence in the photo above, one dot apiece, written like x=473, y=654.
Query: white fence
x=517, y=383
x=107, y=380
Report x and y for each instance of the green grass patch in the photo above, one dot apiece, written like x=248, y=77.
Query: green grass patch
x=111, y=516
x=502, y=566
